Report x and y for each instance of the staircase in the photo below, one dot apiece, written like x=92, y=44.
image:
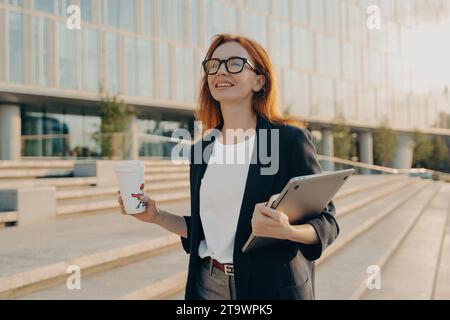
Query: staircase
x=396, y=224
x=165, y=181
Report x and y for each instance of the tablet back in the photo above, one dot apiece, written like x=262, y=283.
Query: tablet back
x=303, y=198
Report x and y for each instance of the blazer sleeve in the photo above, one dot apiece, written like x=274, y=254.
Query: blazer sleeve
x=303, y=161
x=186, y=241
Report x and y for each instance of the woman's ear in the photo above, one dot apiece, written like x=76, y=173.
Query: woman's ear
x=259, y=83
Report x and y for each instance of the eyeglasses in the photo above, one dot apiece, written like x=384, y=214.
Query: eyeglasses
x=232, y=64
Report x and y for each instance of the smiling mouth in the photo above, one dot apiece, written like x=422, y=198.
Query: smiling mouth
x=224, y=85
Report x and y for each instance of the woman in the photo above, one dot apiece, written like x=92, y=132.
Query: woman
x=228, y=200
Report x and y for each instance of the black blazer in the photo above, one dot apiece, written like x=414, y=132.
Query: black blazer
x=284, y=270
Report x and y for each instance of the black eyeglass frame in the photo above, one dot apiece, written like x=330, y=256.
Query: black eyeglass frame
x=245, y=61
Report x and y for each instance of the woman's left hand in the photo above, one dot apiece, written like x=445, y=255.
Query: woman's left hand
x=267, y=222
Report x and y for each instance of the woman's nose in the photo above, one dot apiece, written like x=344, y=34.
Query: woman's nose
x=222, y=69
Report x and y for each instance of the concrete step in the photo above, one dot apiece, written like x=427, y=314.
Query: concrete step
x=344, y=270
x=160, y=273
x=352, y=201
x=180, y=294
x=361, y=183
x=8, y=216
x=163, y=289
x=34, y=173
x=97, y=200
x=362, y=218
x=355, y=225
x=160, y=177
x=167, y=162
x=164, y=169
x=442, y=286
x=57, y=182
x=76, y=206
x=31, y=261
x=73, y=182
x=418, y=254
x=177, y=296
x=69, y=164
x=89, y=192
x=26, y=164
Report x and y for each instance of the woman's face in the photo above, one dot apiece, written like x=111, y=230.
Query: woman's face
x=243, y=84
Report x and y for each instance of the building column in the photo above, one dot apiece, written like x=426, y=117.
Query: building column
x=10, y=132
x=328, y=148
x=404, y=152
x=366, y=150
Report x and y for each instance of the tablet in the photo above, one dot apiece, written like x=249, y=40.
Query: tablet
x=301, y=199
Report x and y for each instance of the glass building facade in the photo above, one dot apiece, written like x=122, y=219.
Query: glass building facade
x=149, y=53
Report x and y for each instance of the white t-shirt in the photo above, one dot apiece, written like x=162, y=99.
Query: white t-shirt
x=221, y=193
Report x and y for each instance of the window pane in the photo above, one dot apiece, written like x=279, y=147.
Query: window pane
x=300, y=11
x=220, y=18
x=131, y=66
x=328, y=57
x=62, y=6
x=40, y=29
x=67, y=57
x=332, y=14
x=261, y=5
x=16, y=47
x=174, y=11
x=74, y=124
x=345, y=99
x=45, y=5
x=322, y=103
x=86, y=10
x=195, y=17
x=91, y=124
x=145, y=62
x=184, y=74
x=302, y=48
x=121, y=14
x=281, y=8
x=139, y=67
x=255, y=27
x=317, y=15
x=112, y=62
x=32, y=125
x=53, y=124
x=280, y=42
x=90, y=59
x=164, y=72
x=16, y=2
x=148, y=16
x=296, y=92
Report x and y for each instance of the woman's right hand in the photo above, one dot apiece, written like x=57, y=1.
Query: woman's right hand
x=151, y=210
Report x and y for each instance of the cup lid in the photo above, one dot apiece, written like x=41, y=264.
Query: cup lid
x=129, y=164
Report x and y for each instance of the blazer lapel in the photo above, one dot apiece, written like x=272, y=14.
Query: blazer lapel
x=257, y=189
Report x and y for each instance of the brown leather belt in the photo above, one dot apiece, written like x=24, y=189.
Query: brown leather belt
x=226, y=268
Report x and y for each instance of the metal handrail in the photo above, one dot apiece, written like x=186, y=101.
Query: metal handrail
x=158, y=139
x=424, y=171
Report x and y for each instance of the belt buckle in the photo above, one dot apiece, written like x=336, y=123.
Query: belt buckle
x=228, y=269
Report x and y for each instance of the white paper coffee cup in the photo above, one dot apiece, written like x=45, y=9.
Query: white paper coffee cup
x=131, y=181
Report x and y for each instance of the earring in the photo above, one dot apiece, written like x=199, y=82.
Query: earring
x=261, y=93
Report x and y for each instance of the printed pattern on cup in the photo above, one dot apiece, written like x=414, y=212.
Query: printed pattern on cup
x=141, y=203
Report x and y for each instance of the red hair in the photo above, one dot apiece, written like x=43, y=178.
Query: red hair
x=264, y=102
